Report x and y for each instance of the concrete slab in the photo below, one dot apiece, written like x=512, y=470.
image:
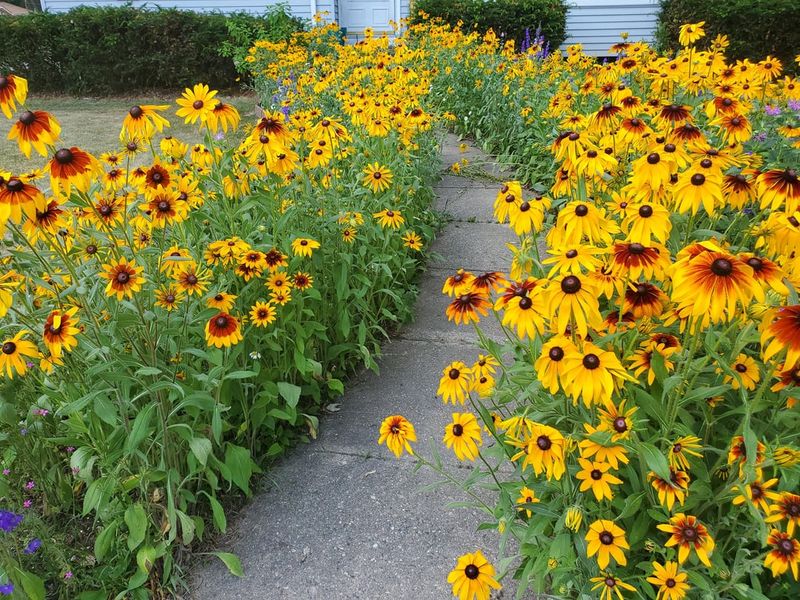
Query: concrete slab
x=336, y=527
x=475, y=246
x=470, y=204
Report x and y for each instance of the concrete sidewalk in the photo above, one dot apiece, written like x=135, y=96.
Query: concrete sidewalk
x=342, y=518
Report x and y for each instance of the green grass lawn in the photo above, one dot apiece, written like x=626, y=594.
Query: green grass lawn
x=93, y=124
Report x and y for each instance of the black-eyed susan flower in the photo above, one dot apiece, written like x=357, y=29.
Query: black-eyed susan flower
x=275, y=259
x=509, y=195
x=262, y=314
x=223, y=301
x=377, y=177
x=282, y=297
x=60, y=330
x=617, y=419
x=572, y=303
x=463, y=435
x=593, y=374
x=781, y=332
x=302, y=280
x=169, y=297
x=550, y=364
x=37, y=130
x=15, y=353
x=13, y=91
x=573, y=259
x=526, y=496
x=389, y=218
x=468, y=307
x=72, y=167
x=196, y=103
x=594, y=477
x=784, y=553
x=125, y=278
x=785, y=508
x=455, y=383
x=606, y=540
x=632, y=260
x=758, y=493
x=278, y=282
x=671, y=581
x=747, y=373
x=458, y=283
x=19, y=198
x=304, y=246
x=473, y=577
x=687, y=533
x=647, y=221
x=644, y=300
x=524, y=312
x=412, y=241
x=545, y=451
x=223, y=330
x=142, y=121
x=672, y=489
x=396, y=432
x=779, y=188
x=192, y=279
x=223, y=116
x=610, y=587
x=609, y=452
x=682, y=449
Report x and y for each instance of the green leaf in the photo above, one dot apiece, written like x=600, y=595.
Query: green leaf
x=232, y=562
x=289, y=392
x=104, y=540
x=31, y=584
x=146, y=558
x=240, y=375
x=336, y=386
x=187, y=527
x=218, y=514
x=655, y=460
x=146, y=371
x=201, y=448
x=238, y=461
x=140, y=429
x=136, y=520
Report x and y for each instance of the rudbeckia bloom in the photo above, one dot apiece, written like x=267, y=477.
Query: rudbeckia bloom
x=222, y=116
x=396, y=432
x=142, y=121
x=13, y=90
x=35, y=129
x=168, y=297
x=473, y=577
x=278, y=282
x=647, y=221
x=524, y=312
x=671, y=581
x=262, y=314
x=709, y=287
x=124, y=278
x=455, y=382
x=747, y=373
x=683, y=447
x=60, y=330
x=196, y=103
x=687, y=533
x=550, y=365
x=466, y=307
x=786, y=508
x=784, y=553
x=526, y=496
x=611, y=453
x=72, y=167
x=389, y=218
x=607, y=540
x=509, y=195
x=18, y=198
x=756, y=493
x=781, y=331
x=594, y=477
x=571, y=301
x=223, y=330
x=412, y=241
x=463, y=435
x=377, y=177
x=222, y=301
x=779, y=187
x=594, y=374
x=695, y=189
x=545, y=451
x=304, y=246
x=192, y=279
x=611, y=587
x=634, y=260
x=458, y=283
x=15, y=353
x=669, y=490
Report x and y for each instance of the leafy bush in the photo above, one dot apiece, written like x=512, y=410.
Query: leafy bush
x=91, y=50
x=510, y=19
x=755, y=28
x=174, y=317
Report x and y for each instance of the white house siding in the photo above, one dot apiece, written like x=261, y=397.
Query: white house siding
x=596, y=24
x=299, y=8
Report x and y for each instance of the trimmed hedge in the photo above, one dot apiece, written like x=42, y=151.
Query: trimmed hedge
x=510, y=19
x=755, y=28
x=125, y=50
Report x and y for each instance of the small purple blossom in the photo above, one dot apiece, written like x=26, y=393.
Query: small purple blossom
x=772, y=111
x=23, y=431
x=9, y=521
x=29, y=364
x=27, y=504
x=42, y=412
x=6, y=471
x=761, y=136
x=30, y=485
x=68, y=575
x=33, y=546
x=70, y=449
x=76, y=470
x=794, y=105
x=6, y=589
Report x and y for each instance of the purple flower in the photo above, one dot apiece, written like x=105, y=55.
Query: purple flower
x=68, y=575
x=6, y=589
x=70, y=449
x=9, y=521
x=30, y=485
x=33, y=546
x=42, y=412
x=6, y=471
x=772, y=111
x=27, y=504
x=23, y=431
x=794, y=104
x=760, y=137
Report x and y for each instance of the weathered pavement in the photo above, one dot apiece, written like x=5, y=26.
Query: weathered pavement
x=342, y=518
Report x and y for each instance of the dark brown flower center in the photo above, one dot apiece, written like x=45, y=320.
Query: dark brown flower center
x=581, y=210
x=454, y=374
x=14, y=185
x=722, y=267
x=620, y=425
x=698, y=179
x=706, y=163
x=556, y=353
x=653, y=158
x=689, y=533
x=572, y=253
x=9, y=348
x=471, y=571
x=741, y=368
x=64, y=156
x=123, y=277
x=136, y=112
x=197, y=104
x=543, y=442
x=221, y=322
x=191, y=279
x=525, y=303
x=636, y=248
x=591, y=361
x=570, y=284
x=670, y=583
x=596, y=474
x=458, y=429
x=606, y=538
x=27, y=118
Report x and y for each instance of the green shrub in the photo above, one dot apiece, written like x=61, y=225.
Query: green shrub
x=511, y=19
x=755, y=28
x=91, y=50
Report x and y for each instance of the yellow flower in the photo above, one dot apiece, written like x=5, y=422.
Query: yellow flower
x=396, y=432
x=377, y=177
x=14, y=354
x=606, y=540
x=389, y=218
x=196, y=103
x=463, y=435
x=304, y=246
x=527, y=496
x=573, y=518
x=473, y=577
x=690, y=33
x=455, y=383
